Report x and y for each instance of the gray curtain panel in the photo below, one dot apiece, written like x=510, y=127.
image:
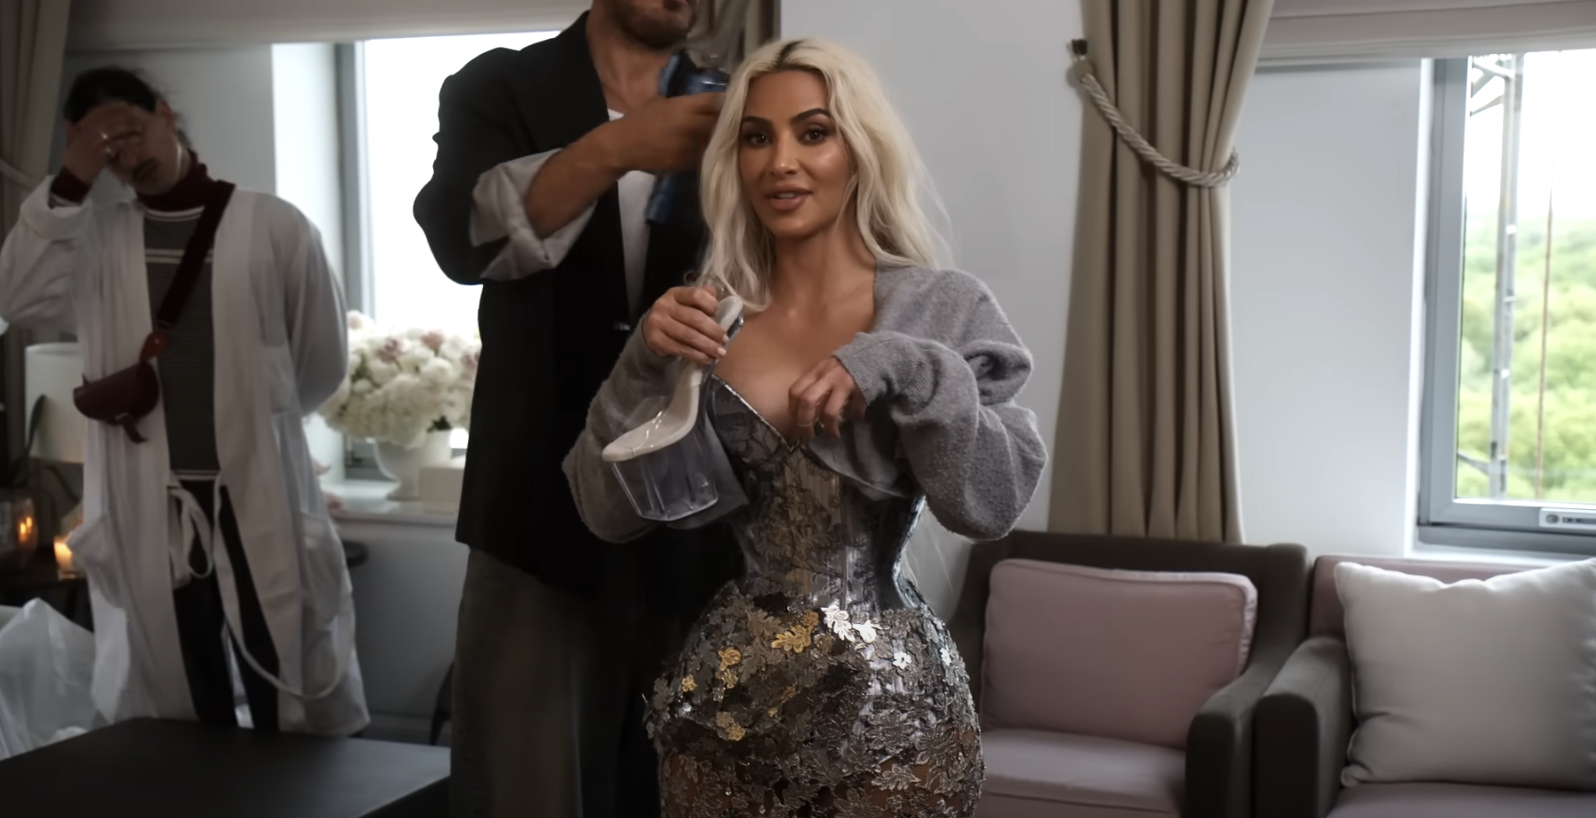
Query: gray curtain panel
x=1145, y=446
x=32, y=44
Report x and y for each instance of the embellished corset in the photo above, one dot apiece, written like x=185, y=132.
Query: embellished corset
x=820, y=684
x=808, y=536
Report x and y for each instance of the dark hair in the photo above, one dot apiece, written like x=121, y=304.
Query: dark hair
x=112, y=83
x=786, y=53
x=97, y=86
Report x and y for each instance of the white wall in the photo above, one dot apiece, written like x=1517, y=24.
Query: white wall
x=104, y=24
x=407, y=598
x=224, y=97
x=982, y=87
x=1326, y=309
x=263, y=117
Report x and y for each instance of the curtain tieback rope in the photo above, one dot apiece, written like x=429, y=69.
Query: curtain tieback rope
x=1082, y=71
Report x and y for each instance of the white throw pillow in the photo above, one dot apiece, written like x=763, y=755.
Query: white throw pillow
x=1489, y=682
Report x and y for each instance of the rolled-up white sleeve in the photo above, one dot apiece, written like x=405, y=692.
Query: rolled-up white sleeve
x=498, y=211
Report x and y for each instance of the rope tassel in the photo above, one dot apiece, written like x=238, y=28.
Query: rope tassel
x=1082, y=71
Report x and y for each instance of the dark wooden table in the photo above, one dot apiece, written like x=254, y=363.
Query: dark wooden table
x=186, y=770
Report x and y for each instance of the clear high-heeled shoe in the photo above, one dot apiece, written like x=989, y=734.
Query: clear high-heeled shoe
x=664, y=464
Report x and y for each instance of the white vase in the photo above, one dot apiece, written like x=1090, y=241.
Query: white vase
x=405, y=465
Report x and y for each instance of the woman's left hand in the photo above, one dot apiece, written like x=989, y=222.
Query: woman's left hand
x=821, y=398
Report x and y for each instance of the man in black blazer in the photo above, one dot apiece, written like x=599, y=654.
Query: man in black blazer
x=537, y=195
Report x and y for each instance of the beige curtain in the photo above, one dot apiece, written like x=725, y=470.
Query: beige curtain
x=1145, y=445
x=760, y=21
x=32, y=44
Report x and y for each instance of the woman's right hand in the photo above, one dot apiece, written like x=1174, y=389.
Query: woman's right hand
x=95, y=140
x=682, y=324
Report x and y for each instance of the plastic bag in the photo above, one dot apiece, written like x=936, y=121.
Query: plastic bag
x=46, y=668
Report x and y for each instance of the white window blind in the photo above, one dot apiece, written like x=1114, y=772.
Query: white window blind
x=146, y=24
x=1319, y=31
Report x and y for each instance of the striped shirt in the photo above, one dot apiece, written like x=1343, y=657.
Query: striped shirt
x=188, y=367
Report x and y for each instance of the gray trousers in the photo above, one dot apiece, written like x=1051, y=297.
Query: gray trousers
x=549, y=694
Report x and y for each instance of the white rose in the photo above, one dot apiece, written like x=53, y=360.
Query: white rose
x=417, y=399
x=413, y=358
x=438, y=372
x=381, y=371
x=454, y=347
x=338, y=399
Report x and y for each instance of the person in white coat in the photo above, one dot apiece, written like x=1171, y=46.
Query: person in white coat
x=206, y=541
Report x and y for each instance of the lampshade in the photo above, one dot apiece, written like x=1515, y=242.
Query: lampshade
x=54, y=370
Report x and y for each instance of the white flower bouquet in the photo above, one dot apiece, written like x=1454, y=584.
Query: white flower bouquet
x=402, y=385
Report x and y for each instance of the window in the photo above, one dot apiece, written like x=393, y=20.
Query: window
x=400, y=83
x=1510, y=406
x=389, y=101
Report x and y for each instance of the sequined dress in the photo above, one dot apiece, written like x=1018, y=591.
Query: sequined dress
x=820, y=685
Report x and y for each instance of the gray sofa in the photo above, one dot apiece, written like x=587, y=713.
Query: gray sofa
x=1304, y=724
x=1082, y=776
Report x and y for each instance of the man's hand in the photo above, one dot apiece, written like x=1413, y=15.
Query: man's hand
x=665, y=135
x=682, y=324
x=94, y=141
x=821, y=399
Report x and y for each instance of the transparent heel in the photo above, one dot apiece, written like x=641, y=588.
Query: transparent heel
x=664, y=464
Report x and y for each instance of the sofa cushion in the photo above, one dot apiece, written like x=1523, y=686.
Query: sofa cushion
x=1479, y=682
x=1127, y=655
x=1325, y=613
x=1035, y=774
x=1460, y=801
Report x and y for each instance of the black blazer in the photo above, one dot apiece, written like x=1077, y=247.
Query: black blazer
x=549, y=339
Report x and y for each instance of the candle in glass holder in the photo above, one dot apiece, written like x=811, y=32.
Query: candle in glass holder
x=63, y=555
x=25, y=531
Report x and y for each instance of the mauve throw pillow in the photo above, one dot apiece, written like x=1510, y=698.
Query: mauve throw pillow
x=1477, y=682
x=1130, y=655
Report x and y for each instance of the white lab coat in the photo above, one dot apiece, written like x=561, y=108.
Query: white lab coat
x=281, y=350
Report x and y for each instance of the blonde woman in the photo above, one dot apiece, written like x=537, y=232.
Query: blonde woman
x=867, y=382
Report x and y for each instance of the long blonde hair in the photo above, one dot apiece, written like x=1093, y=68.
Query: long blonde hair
x=888, y=184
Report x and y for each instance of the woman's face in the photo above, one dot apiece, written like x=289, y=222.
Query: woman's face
x=795, y=167
x=150, y=161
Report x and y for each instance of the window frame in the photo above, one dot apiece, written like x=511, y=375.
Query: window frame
x=360, y=456
x=1443, y=519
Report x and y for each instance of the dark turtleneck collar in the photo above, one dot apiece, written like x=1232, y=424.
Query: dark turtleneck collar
x=188, y=193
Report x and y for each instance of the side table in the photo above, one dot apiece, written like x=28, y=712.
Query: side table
x=67, y=593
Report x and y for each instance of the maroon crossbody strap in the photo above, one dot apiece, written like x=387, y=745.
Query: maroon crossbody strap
x=123, y=397
x=193, y=257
